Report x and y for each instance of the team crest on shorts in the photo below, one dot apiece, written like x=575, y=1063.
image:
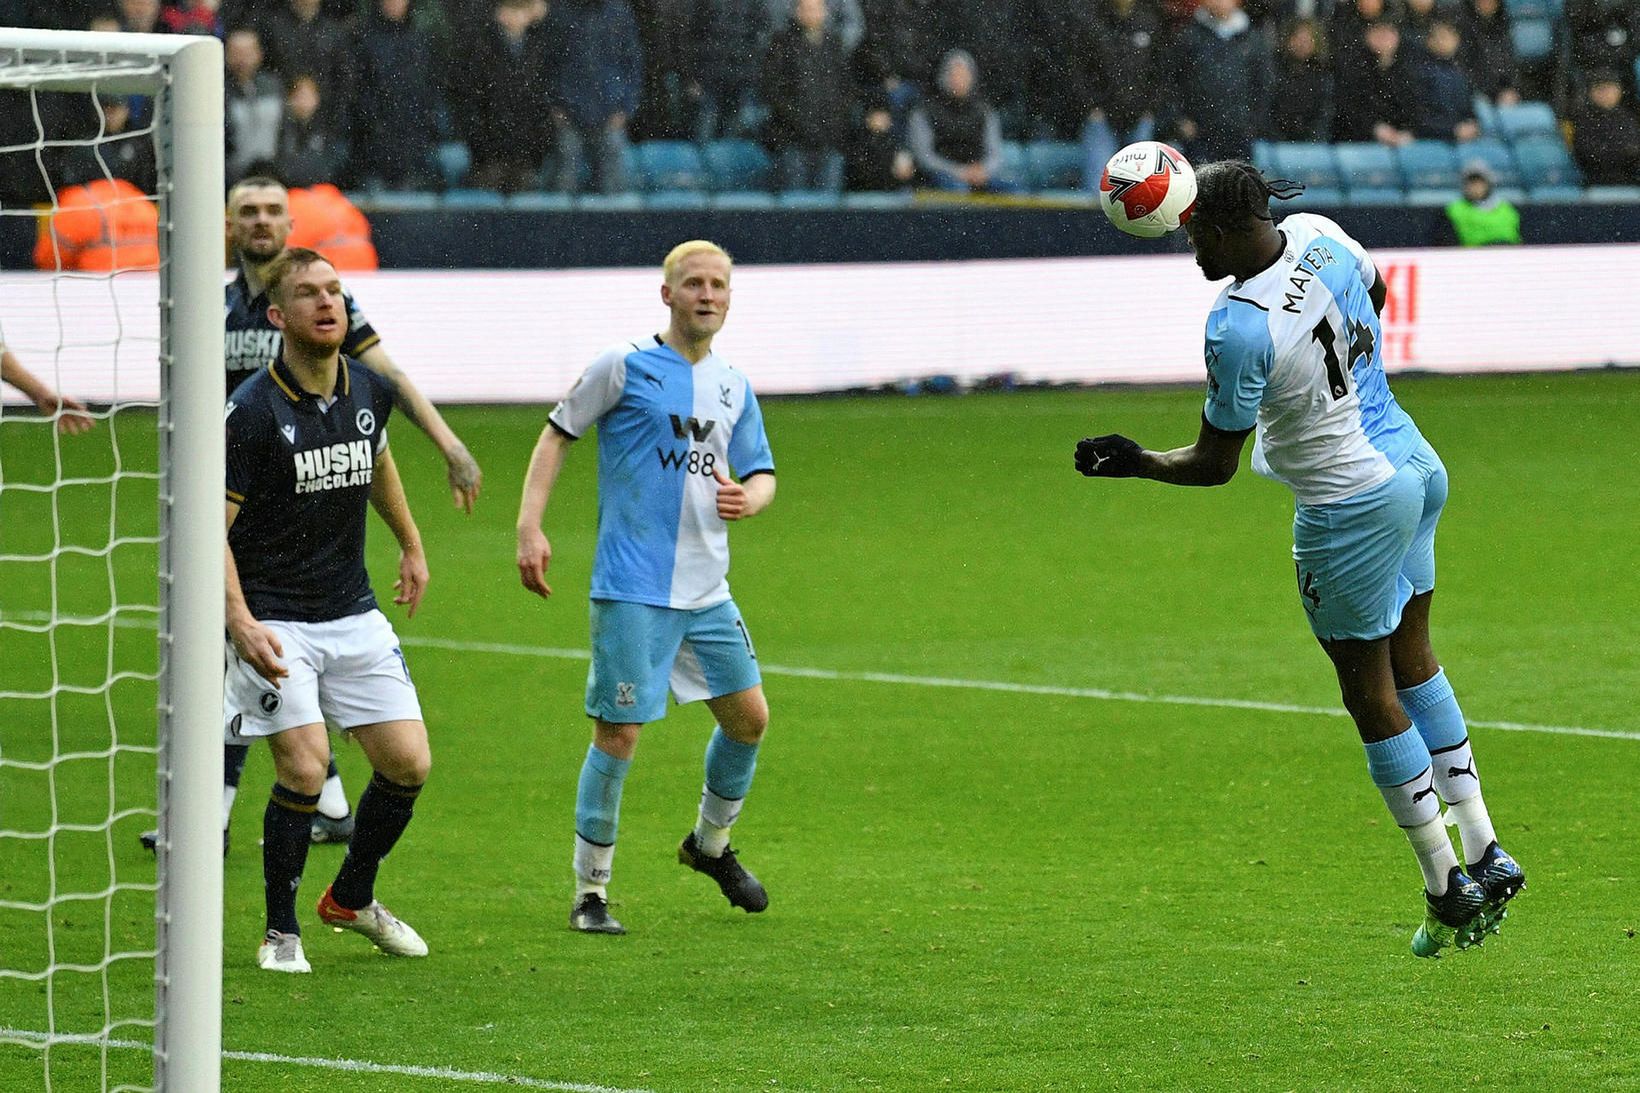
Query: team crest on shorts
x=236, y=724
x=270, y=702
x=624, y=696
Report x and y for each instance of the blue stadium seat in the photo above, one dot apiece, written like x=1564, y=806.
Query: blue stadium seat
x=889, y=199
x=1438, y=196
x=463, y=198
x=1534, y=39
x=1487, y=114
x=609, y=203
x=1015, y=170
x=743, y=199
x=1429, y=165
x=397, y=200
x=809, y=199
x=668, y=165
x=1379, y=195
x=1612, y=195
x=1527, y=119
x=536, y=201
x=1544, y=161
x=1316, y=197
x=1312, y=164
x=1264, y=156
x=1496, y=155
x=1056, y=165
x=454, y=161
x=675, y=199
x=1564, y=195
x=737, y=165
x=1367, y=166
x=1535, y=9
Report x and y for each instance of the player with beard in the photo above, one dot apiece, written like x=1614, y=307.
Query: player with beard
x=259, y=224
x=306, y=454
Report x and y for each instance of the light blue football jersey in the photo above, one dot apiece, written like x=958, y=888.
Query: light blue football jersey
x=664, y=426
x=1297, y=352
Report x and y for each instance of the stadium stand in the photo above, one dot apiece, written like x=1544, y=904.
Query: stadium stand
x=1526, y=143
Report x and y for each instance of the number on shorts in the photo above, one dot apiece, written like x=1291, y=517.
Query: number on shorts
x=747, y=638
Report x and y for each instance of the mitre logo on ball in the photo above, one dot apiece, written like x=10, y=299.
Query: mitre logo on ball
x=1147, y=189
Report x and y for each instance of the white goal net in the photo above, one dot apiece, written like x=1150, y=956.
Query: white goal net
x=110, y=561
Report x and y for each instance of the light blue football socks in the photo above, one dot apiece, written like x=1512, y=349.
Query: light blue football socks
x=1433, y=707
x=729, y=769
x=1400, y=768
x=597, y=815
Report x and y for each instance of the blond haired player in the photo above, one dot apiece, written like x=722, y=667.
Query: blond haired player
x=681, y=454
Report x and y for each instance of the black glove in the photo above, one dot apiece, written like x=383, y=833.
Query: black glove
x=1109, y=456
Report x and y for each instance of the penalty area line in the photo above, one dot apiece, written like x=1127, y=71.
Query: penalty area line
x=29, y=1038
x=1006, y=687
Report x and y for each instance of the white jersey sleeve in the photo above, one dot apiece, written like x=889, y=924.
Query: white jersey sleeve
x=594, y=394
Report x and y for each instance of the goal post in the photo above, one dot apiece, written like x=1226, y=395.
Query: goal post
x=184, y=76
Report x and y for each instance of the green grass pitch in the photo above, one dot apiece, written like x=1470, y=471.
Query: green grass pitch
x=971, y=888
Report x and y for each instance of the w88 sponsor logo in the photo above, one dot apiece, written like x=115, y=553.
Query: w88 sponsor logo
x=689, y=461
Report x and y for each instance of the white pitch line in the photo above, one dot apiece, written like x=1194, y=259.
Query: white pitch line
x=1096, y=693
x=354, y=1066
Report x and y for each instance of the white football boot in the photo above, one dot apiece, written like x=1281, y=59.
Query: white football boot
x=282, y=953
x=386, y=931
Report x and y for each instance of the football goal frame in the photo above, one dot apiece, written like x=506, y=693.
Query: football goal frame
x=184, y=76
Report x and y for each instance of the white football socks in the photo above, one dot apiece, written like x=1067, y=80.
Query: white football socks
x=228, y=794
x=717, y=816
x=592, y=867
x=1436, y=858
x=333, y=799
x=1474, y=826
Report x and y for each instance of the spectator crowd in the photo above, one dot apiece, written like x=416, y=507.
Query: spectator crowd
x=862, y=94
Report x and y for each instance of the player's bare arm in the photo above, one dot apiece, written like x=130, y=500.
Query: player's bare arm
x=534, y=551
x=745, y=499
x=387, y=498
x=1211, y=461
x=256, y=644
x=466, y=479
x=75, y=418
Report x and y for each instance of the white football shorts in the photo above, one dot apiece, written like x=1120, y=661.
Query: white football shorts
x=346, y=672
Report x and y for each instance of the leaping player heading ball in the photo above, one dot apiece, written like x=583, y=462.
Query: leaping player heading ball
x=1294, y=352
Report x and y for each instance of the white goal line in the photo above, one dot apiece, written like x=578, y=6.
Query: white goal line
x=355, y=1066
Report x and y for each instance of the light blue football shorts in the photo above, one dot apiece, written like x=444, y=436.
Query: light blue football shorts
x=1359, y=561
x=640, y=652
